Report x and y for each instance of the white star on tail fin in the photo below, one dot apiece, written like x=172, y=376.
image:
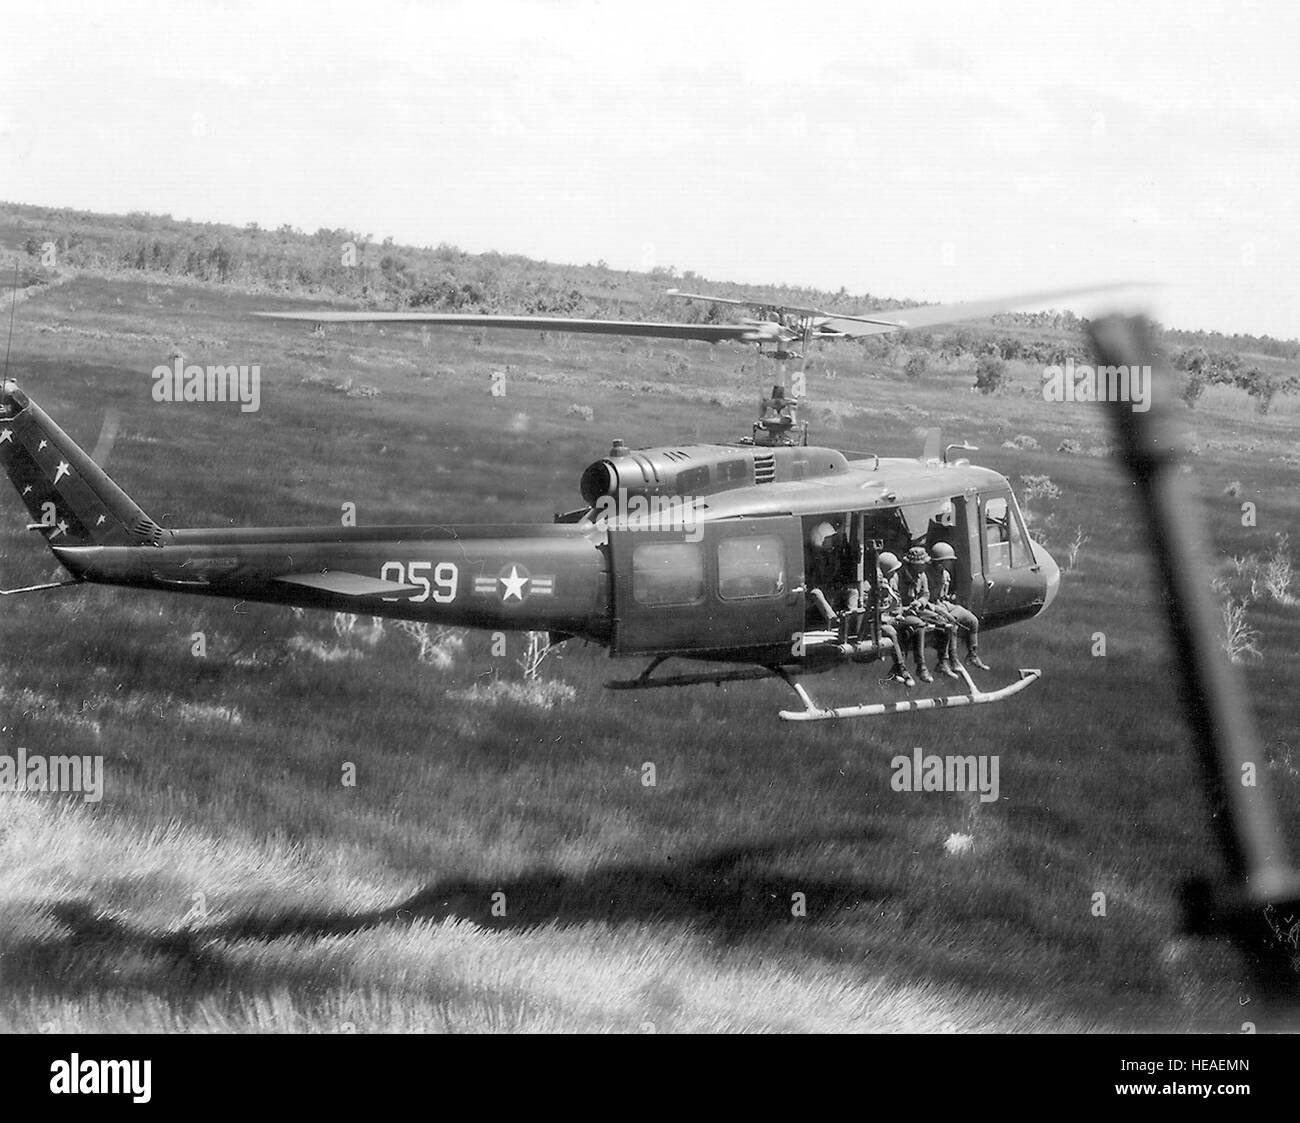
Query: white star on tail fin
x=62, y=470
x=6, y=435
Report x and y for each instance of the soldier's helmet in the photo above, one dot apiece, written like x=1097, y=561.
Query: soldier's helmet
x=942, y=552
x=888, y=563
x=917, y=556
x=822, y=535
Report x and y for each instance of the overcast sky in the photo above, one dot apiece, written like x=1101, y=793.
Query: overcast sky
x=932, y=151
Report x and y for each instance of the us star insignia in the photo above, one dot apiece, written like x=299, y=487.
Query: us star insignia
x=514, y=583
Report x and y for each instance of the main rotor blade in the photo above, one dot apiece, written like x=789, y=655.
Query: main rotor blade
x=854, y=325
x=757, y=331
x=933, y=315
x=714, y=299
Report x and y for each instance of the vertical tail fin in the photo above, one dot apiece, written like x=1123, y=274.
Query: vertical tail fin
x=61, y=486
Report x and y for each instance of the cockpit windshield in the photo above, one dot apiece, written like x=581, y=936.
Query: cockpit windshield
x=1005, y=542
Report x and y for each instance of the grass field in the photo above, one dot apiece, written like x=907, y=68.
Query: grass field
x=229, y=880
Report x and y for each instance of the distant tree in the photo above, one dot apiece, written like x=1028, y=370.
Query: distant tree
x=1192, y=358
x=915, y=366
x=1193, y=387
x=990, y=373
x=1264, y=396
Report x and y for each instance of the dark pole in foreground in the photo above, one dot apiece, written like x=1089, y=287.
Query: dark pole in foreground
x=1258, y=906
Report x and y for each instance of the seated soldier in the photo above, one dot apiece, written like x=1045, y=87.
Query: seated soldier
x=889, y=603
x=914, y=591
x=909, y=629
x=941, y=593
x=825, y=581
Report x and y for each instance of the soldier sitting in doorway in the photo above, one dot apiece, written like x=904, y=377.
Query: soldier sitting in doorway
x=908, y=628
x=943, y=598
x=890, y=612
x=914, y=592
x=827, y=564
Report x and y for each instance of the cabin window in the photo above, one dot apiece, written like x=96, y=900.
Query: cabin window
x=752, y=566
x=1003, y=537
x=921, y=518
x=943, y=525
x=668, y=573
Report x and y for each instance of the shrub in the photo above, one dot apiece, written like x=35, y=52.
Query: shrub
x=537, y=694
x=1036, y=487
x=1238, y=638
x=990, y=373
x=1021, y=441
x=1263, y=390
x=1193, y=387
x=1075, y=545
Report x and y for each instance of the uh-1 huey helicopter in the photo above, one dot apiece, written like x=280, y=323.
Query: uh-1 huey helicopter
x=695, y=551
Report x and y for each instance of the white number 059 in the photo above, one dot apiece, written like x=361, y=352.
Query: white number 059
x=442, y=589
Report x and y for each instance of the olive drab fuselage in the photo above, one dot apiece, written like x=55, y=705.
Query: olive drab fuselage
x=695, y=550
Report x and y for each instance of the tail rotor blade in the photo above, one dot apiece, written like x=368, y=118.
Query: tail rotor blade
x=107, y=436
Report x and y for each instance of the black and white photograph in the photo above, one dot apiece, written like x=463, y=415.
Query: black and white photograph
x=546, y=517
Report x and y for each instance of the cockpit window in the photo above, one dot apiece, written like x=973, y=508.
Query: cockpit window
x=1004, y=537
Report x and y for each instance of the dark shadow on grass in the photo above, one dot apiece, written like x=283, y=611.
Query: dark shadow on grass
x=729, y=894
x=716, y=892
x=101, y=952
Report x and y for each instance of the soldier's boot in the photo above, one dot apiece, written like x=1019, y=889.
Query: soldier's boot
x=973, y=658
x=918, y=646
x=952, y=651
x=900, y=674
x=948, y=653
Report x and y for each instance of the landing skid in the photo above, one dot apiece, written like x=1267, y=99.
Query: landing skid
x=976, y=697
x=647, y=680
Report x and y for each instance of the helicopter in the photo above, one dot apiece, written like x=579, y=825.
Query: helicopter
x=702, y=552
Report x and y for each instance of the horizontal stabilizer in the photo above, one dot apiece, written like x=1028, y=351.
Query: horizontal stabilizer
x=348, y=584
